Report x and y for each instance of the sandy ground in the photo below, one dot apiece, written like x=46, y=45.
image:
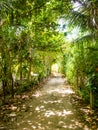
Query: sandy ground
x=49, y=108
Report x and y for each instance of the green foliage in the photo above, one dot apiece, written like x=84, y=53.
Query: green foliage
x=29, y=42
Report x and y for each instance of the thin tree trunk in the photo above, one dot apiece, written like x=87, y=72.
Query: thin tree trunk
x=30, y=67
x=91, y=99
x=4, y=78
x=29, y=72
x=4, y=84
x=21, y=69
x=12, y=86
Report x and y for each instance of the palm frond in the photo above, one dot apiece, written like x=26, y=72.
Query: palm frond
x=86, y=38
x=86, y=16
x=80, y=20
x=5, y=6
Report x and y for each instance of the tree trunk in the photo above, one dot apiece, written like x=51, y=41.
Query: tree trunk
x=12, y=86
x=21, y=72
x=4, y=80
x=29, y=72
x=91, y=99
x=30, y=66
x=4, y=84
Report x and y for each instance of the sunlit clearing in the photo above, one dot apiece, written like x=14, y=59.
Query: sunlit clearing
x=55, y=67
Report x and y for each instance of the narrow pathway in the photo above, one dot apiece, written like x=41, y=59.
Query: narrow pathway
x=49, y=108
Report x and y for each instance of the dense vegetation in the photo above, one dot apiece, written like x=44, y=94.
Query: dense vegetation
x=31, y=40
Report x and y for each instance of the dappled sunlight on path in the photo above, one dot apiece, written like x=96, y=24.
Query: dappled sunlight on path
x=50, y=108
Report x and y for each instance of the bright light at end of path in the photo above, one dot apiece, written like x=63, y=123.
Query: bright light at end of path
x=55, y=67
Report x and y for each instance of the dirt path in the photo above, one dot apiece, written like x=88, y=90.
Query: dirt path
x=49, y=108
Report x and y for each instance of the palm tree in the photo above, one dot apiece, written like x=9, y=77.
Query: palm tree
x=84, y=15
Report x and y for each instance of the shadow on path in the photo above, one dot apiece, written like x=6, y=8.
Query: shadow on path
x=49, y=108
